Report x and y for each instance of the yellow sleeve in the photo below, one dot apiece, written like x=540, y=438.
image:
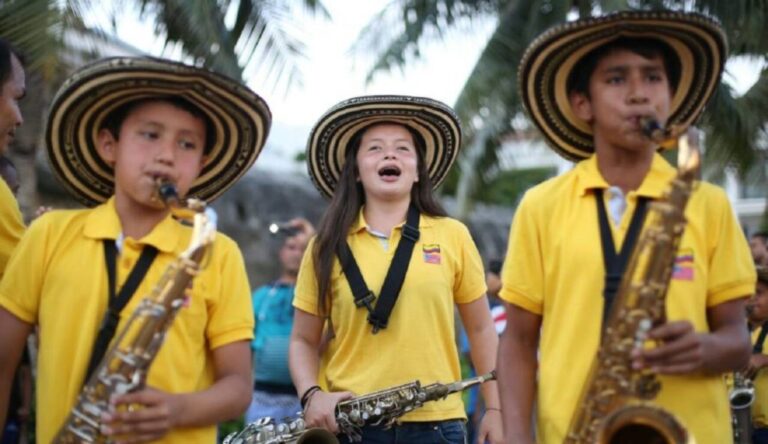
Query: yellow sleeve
x=305, y=297
x=522, y=275
x=731, y=272
x=231, y=319
x=21, y=286
x=11, y=225
x=469, y=283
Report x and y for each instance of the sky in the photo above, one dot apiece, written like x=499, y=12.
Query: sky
x=332, y=73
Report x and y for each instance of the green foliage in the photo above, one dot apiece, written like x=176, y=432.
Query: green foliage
x=260, y=36
x=509, y=186
x=34, y=26
x=225, y=428
x=395, y=33
x=489, y=103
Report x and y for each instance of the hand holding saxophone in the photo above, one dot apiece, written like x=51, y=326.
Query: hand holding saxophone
x=757, y=362
x=320, y=410
x=158, y=414
x=680, y=350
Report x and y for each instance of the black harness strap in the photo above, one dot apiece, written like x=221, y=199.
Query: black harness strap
x=378, y=316
x=616, y=264
x=758, y=348
x=117, y=301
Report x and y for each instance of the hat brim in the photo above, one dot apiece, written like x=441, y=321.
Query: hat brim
x=435, y=121
x=697, y=40
x=240, y=120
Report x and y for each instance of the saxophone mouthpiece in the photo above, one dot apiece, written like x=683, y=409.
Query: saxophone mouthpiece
x=167, y=192
x=653, y=129
x=666, y=137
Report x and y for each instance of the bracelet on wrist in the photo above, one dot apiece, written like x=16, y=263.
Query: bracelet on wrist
x=308, y=394
x=493, y=408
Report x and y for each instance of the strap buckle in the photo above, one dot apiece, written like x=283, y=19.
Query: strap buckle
x=377, y=323
x=366, y=301
x=410, y=233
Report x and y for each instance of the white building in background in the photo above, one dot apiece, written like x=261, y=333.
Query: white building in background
x=748, y=200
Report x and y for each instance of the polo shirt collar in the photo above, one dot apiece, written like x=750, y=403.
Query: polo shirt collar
x=360, y=224
x=103, y=223
x=655, y=182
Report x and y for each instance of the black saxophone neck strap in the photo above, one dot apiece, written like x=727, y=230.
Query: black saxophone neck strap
x=378, y=316
x=117, y=301
x=616, y=263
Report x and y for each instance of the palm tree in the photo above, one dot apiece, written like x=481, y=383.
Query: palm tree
x=231, y=37
x=735, y=126
x=225, y=35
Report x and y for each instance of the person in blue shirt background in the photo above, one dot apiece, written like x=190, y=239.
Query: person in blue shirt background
x=472, y=402
x=273, y=392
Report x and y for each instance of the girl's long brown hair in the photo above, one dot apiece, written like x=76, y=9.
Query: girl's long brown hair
x=345, y=206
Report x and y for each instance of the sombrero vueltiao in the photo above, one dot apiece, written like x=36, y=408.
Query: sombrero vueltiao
x=435, y=121
x=697, y=40
x=241, y=121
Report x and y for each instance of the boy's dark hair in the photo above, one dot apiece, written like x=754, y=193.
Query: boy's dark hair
x=578, y=79
x=114, y=120
x=6, y=66
x=494, y=266
x=761, y=234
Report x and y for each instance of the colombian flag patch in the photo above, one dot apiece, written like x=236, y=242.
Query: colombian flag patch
x=431, y=254
x=683, y=268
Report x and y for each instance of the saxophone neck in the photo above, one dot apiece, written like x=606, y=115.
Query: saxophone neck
x=438, y=391
x=181, y=208
x=676, y=136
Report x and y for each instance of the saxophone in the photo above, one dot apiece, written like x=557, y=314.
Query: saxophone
x=741, y=397
x=615, y=405
x=377, y=408
x=124, y=367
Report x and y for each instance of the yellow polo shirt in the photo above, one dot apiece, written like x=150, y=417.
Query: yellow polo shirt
x=419, y=341
x=760, y=406
x=11, y=225
x=554, y=268
x=57, y=278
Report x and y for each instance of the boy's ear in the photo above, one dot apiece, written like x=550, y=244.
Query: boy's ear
x=203, y=162
x=581, y=106
x=106, y=146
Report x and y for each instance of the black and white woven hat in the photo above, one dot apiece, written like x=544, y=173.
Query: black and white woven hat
x=435, y=121
x=241, y=121
x=698, y=41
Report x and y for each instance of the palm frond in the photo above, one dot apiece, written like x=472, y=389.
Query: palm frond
x=734, y=126
x=32, y=26
x=198, y=27
x=490, y=96
x=743, y=21
x=269, y=43
x=262, y=37
x=394, y=35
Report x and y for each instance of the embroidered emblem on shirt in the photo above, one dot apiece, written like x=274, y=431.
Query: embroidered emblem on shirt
x=431, y=254
x=683, y=268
